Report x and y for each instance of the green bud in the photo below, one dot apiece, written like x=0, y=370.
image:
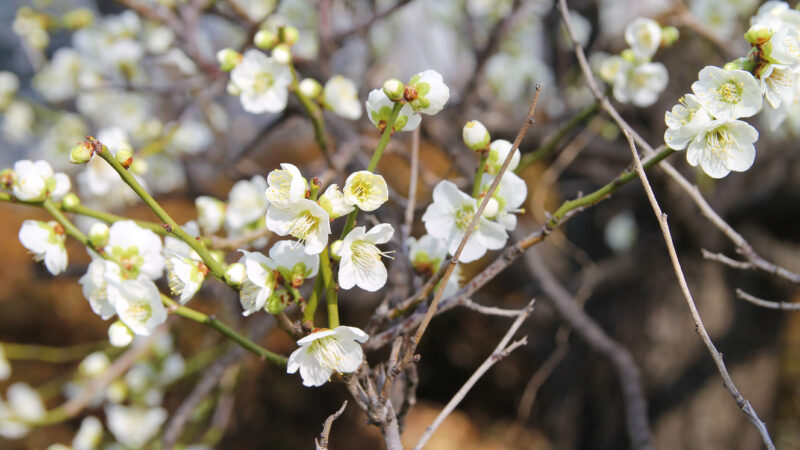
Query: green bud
x=124, y=156
x=628, y=55
x=70, y=201
x=336, y=248
x=298, y=275
x=669, y=35
x=394, y=88
x=758, y=35
x=265, y=39
x=278, y=301
x=310, y=88
x=98, y=234
x=289, y=35
x=77, y=18
x=476, y=136
x=228, y=58
x=7, y=178
x=282, y=54
x=81, y=153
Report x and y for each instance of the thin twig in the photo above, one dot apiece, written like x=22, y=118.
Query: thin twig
x=502, y=350
x=322, y=442
x=491, y=310
x=722, y=259
x=785, y=306
x=743, y=403
x=412, y=186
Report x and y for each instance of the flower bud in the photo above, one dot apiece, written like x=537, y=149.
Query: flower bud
x=758, y=35
x=77, y=18
x=98, y=234
x=236, y=273
x=278, y=301
x=394, y=88
x=228, y=58
x=70, y=201
x=282, y=54
x=310, y=88
x=476, y=136
x=81, y=153
x=336, y=249
x=94, y=365
x=265, y=39
x=7, y=178
x=491, y=209
x=669, y=35
x=628, y=55
x=289, y=35
x=140, y=166
x=119, y=335
x=124, y=156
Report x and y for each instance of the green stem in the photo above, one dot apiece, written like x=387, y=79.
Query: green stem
x=330, y=289
x=476, y=185
x=50, y=354
x=605, y=191
x=314, y=114
x=111, y=218
x=69, y=228
x=172, y=226
x=582, y=116
x=225, y=330
x=313, y=300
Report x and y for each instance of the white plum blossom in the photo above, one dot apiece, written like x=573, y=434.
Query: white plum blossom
x=361, y=263
x=138, y=304
x=210, y=213
x=340, y=95
x=379, y=108
x=262, y=81
x=723, y=146
x=305, y=221
x=119, y=335
x=292, y=262
x=246, y=203
x=643, y=35
x=260, y=282
x=426, y=253
x=366, y=190
x=45, y=240
x=426, y=92
x=137, y=250
x=95, y=286
x=134, y=426
x=498, y=152
x=25, y=402
x=450, y=214
x=334, y=202
x=507, y=199
x=778, y=84
x=685, y=120
x=728, y=94
x=36, y=181
x=185, y=276
x=286, y=186
x=785, y=45
x=640, y=84
x=89, y=435
x=323, y=352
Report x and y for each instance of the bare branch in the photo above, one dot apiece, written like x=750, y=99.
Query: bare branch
x=322, y=442
x=786, y=306
x=491, y=310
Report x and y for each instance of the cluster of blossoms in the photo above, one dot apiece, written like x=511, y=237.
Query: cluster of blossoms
x=708, y=120
x=633, y=75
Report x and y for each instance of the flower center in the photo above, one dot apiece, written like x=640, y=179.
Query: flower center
x=328, y=352
x=729, y=92
x=262, y=82
x=464, y=216
x=139, y=311
x=719, y=141
x=175, y=283
x=365, y=254
x=305, y=224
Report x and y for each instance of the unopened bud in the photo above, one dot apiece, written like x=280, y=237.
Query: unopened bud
x=310, y=88
x=236, y=273
x=119, y=335
x=282, y=54
x=139, y=166
x=289, y=35
x=124, y=156
x=669, y=35
x=758, y=35
x=7, y=178
x=336, y=249
x=628, y=55
x=228, y=58
x=81, y=153
x=77, y=18
x=70, y=201
x=394, y=88
x=265, y=39
x=491, y=209
x=278, y=301
x=476, y=136
x=98, y=235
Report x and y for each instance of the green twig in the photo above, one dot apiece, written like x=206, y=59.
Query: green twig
x=476, y=185
x=313, y=300
x=330, y=289
x=50, y=354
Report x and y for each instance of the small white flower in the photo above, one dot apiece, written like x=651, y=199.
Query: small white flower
x=450, y=214
x=89, y=435
x=137, y=250
x=640, y=84
x=11, y=426
x=475, y=135
x=138, y=304
x=607, y=66
x=728, y=94
x=426, y=253
x=366, y=190
x=246, y=203
x=185, y=276
x=361, y=263
x=210, y=213
x=334, y=202
x=723, y=146
x=620, y=232
x=25, y=403
x=509, y=196
x=498, y=152
x=323, y=352
x=119, y=335
x=685, y=120
x=94, y=364
x=5, y=366
x=260, y=282
x=134, y=426
x=46, y=241
x=286, y=186
x=95, y=284
x=341, y=96
x=785, y=45
x=36, y=181
x=379, y=108
x=778, y=84
x=644, y=37
x=263, y=82
x=426, y=92
x=305, y=221
x=291, y=260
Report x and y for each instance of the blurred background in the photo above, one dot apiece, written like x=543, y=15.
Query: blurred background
x=555, y=392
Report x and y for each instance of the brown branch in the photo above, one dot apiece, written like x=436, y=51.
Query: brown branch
x=785, y=306
x=322, y=442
